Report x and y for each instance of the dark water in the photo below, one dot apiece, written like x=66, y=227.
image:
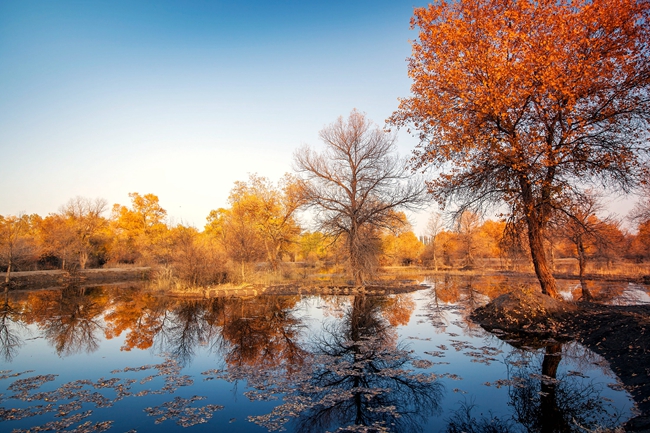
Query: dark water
x=122, y=359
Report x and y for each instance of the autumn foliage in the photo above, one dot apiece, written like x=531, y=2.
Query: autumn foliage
x=523, y=103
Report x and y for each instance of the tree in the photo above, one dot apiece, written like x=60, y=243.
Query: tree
x=195, y=261
x=580, y=226
x=141, y=232
x=467, y=227
x=271, y=212
x=16, y=243
x=233, y=229
x=640, y=244
x=399, y=245
x=435, y=226
x=86, y=220
x=641, y=211
x=260, y=221
x=525, y=102
x=354, y=186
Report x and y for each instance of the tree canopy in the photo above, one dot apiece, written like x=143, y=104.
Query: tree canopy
x=526, y=102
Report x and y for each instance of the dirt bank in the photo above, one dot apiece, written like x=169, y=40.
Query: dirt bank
x=618, y=333
x=54, y=278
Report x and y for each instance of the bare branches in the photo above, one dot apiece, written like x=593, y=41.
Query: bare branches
x=356, y=183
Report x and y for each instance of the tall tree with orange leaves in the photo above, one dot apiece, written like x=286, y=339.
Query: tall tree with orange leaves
x=524, y=102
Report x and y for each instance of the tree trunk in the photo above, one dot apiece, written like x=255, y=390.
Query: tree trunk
x=582, y=263
x=83, y=258
x=536, y=217
x=243, y=272
x=356, y=261
x=544, y=275
x=581, y=258
x=7, y=276
x=551, y=415
x=435, y=258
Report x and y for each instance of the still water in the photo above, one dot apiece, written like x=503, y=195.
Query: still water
x=123, y=359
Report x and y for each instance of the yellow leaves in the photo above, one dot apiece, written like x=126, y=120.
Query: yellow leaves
x=141, y=232
x=260, y=219
x=401, y=249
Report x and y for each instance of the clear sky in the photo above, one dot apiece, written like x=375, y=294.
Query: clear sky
x=181, y=99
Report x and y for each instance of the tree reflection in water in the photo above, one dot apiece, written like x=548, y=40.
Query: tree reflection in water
x=70, y=319
x=10, y=322
x=546, y=403
x=263, y=333
x=358, y=378
x=183, y=330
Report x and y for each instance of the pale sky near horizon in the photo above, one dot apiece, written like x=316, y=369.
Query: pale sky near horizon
x=182, y=99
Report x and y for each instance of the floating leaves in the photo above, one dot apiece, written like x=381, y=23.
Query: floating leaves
x=421, y=363
x=74, y=395
x=23, y=386
x=180, y=410
x=66, y=422
x=4, y=374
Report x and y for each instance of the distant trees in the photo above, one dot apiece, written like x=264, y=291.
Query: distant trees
x=195, y=260
x=86, y=221
x=260, y=227
x=59, y=240
x=260, y=223
x=399, y=245
x=17, y=246
x=355, y=185
x=140, y=231
x=435, y=226
x=524, y=102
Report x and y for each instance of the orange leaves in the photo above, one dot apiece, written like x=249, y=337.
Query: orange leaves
x=524, y=101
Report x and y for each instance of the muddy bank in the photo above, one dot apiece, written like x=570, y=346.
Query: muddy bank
x=55, y=278
x=621, y=335
x=617, y=333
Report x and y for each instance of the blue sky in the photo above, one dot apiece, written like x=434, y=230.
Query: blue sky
x=181, y=99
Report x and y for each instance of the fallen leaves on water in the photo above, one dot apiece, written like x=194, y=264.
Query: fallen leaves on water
x=102, y=393
x=180, y=410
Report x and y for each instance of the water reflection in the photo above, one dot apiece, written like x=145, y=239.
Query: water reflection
x=10, y=329
x=358, y=378
x=544, y=400
x=263, y=333
x=70, y=319
x=316, y=363
x=462, y=295
x=549, y=402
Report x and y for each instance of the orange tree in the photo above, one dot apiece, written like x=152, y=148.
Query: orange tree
x=524, y=102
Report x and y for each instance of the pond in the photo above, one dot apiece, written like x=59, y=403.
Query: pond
x=123, y=359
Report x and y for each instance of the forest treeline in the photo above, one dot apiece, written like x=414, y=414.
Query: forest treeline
x=260, y=232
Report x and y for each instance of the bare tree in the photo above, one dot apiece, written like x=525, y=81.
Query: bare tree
x=641, y=211
x=435, y=225
x=355, y=184
x=578, y=222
